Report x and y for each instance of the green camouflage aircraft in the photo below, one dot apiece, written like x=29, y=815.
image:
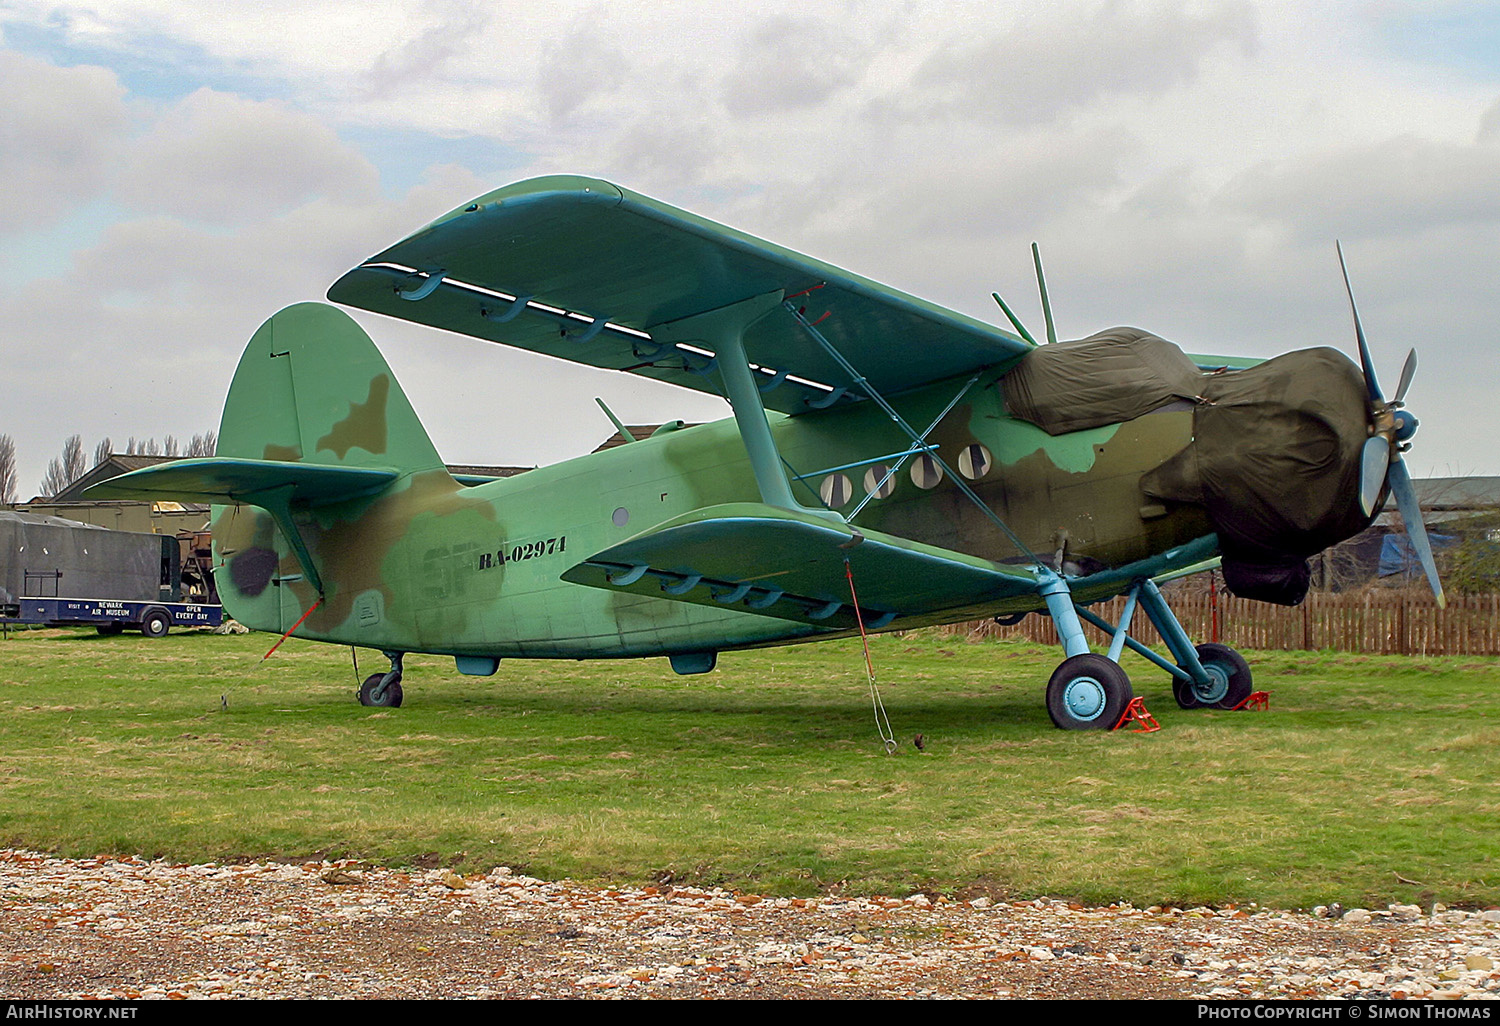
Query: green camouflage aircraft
x=890, y=464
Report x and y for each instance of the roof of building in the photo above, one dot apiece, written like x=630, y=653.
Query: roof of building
x=116, y=464
x=1455, y=493
x=639, y=431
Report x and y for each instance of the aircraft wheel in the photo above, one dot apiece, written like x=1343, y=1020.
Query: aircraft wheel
x=1088, y=692
x=155, y=624
x=1229, y=680
x=391, y=698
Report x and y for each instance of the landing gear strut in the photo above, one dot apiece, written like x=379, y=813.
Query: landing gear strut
x=384, y=689
x=1090, y=691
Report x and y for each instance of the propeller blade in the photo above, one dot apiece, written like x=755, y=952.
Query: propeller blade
x=1408, y=371
x=1359, y=333
x=1416, y=531
x=1374, y=461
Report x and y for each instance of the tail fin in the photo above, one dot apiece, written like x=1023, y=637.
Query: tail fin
x=312, y=388
x=313, y=416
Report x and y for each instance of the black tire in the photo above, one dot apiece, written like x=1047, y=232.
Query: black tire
x=390, y=698
x=1088, y=692
x=156, y=623
x=1230, y=682
x=109, y=630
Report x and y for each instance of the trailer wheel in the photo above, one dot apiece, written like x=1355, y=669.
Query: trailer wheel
x=110, y=629
x=155, y=624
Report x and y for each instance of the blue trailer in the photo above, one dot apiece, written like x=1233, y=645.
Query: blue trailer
x=112, y=616
x=60, y=573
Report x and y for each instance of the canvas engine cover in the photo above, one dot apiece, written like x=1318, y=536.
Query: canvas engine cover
x=1275, y=462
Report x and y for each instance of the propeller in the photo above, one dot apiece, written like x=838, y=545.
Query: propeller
x=1380, y=462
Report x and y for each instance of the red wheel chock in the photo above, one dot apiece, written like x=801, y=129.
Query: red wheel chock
x=1136, y=712
x=1257, y=701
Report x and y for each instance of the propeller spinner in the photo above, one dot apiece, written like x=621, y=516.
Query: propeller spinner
x=1381, y=465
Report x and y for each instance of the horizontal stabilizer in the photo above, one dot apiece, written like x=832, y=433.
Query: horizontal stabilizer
x=776, y=562
x=244, y=482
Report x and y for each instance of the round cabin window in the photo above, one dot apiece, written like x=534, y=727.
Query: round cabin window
x=975, y=461
x=836, y=490
x=926, y=472
x=879, y=481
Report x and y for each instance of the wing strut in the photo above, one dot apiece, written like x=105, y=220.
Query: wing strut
x=890, y=411
x=723, y=330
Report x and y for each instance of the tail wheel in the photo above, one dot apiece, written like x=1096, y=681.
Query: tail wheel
x=1229, y=681
x=389, y=698
x=1088, y=692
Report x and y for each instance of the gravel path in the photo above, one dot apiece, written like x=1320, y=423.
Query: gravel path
x=127, y=928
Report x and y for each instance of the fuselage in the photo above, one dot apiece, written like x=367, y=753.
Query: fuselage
x=431, y=565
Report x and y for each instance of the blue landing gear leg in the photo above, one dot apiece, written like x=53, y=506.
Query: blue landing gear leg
x=1208, y=675
x=1088, y=691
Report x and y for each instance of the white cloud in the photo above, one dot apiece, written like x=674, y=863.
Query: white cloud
x=429, y=52
x=61, y=129
x=1401, y=185
x=1058, y=60
x=578, y=67
x=225, y=160
x=788, y=63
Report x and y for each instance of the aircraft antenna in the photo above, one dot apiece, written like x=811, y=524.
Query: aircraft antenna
x=615, y=421
x=1041, y=284
x=1014, y=320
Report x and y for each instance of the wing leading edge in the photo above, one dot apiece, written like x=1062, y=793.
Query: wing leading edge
x=583, y=270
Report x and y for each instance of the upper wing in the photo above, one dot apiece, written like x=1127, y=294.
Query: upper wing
x=580, y=269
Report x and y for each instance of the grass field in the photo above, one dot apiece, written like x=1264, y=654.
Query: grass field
x=1370, y=780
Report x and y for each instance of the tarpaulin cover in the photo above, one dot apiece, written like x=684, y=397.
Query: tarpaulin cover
x=1113, y=376
x=1275, y=459
x=95, y=562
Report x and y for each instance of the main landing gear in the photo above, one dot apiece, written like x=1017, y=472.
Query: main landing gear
x=384, y=689
x=1089, y=691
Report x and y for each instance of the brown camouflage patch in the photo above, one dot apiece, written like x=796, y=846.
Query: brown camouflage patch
x=365, y=426
x=283, y=453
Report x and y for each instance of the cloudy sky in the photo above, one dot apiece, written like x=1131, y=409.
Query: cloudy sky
x=174, y=173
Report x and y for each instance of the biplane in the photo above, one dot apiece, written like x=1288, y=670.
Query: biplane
x=890, y=464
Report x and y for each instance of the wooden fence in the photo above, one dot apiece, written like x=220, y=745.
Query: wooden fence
x=1377, y=621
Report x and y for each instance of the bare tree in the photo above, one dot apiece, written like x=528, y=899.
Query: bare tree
x=200, y=445
x=7, y=469
x=63, y=472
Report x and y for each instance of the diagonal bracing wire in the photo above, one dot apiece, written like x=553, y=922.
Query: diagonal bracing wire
x=890, y=411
